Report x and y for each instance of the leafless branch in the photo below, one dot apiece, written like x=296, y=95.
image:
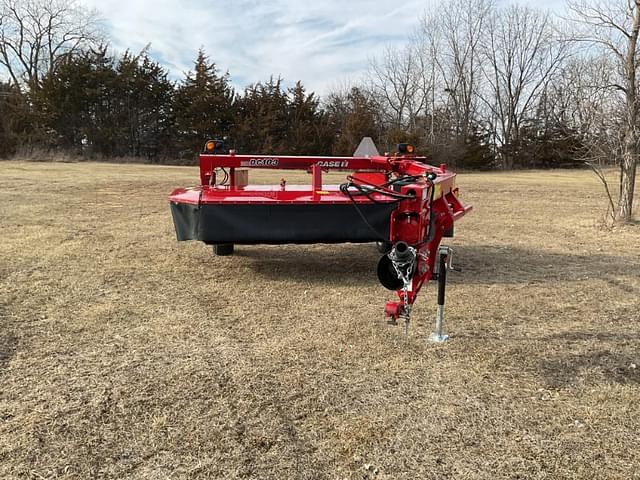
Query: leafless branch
x=35, y=33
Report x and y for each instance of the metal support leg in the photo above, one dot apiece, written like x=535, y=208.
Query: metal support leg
x=438, y=334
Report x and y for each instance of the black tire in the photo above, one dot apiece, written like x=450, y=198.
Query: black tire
x=223, y=249
x=448, y=233
x=383, y=247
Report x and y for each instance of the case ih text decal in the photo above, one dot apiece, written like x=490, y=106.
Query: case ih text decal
x=276, y=162
x=333, y=164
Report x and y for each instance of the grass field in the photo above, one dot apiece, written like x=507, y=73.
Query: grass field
x=124, y=354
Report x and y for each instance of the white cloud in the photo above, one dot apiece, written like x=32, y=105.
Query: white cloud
x=321, y=43
x=318, y=43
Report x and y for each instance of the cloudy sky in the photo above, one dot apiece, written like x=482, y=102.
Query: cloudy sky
x=324, y=43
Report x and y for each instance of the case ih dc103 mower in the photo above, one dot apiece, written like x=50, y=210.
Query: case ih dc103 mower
x=397, y=200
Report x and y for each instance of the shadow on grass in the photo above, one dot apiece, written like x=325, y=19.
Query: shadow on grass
x=325, y=264
x=592, y=368
x=515, y=265
x=592, y=337
x=8, y=346
x=480, y=264
x=8, y=341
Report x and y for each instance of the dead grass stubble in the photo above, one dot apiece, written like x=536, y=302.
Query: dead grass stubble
x=126, y=354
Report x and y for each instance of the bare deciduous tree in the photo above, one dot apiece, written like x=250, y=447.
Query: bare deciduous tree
x=35, y=34
x=399, y=82
x=592, y=112
x=454, y=34
x=612, y=27
x=521, y=56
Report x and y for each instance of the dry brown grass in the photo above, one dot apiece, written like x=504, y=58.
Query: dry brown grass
x=124, y=354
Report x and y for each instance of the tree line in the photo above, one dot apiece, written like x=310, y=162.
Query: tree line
x=477, y=85
x=102, y=106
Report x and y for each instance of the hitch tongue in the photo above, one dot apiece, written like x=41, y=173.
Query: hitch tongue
x=403, y=260
x=396, y=268
x=402, y=253
x=393, y=310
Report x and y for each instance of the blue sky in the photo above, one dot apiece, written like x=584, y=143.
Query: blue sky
x=323, y=43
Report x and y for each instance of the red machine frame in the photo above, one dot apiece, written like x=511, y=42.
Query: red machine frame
x=426, y=197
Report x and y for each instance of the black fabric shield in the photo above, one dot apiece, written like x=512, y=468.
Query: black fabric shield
x=281, y=223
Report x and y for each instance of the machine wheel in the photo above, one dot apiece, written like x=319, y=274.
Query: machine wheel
x=448, y=233
x=383, y=247
x=223, y=249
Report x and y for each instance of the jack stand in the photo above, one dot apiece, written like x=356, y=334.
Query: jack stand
x=444, y=254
